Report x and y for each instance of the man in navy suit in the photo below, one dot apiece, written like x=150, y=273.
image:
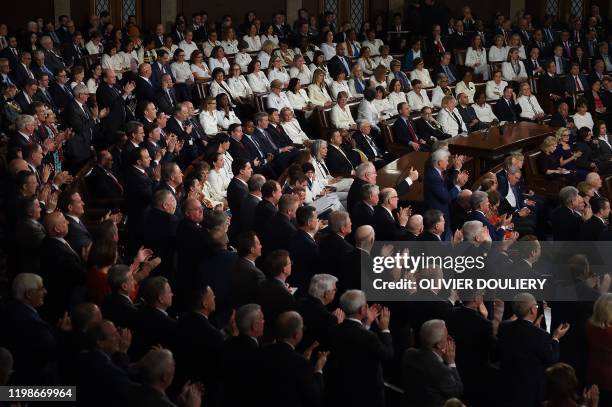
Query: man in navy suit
x=404, y=130
x=339, y=62
x=21, y=71
x=440, y=187
x=115, y=99
x=73, y=207
x=448, y=69
x=145, y=90
x=160, y=68
x=513, y=201
x=304, y=250
x=480, y=205
x=237, y=189
x=372, y=146
x=506, y=109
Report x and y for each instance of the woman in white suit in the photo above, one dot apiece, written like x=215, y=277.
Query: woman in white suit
x=217, y=178
x=495, y=87
x=476, y=58
x=417, y=97
x=300, y=70
x=340, y=85
x=317, y=90
x=514, y=69
x=450, y=118
x=257, y=78
x=238, y=84
x=208, y=116
x=419, y=72
x=298, y=98
x=367, y=109
x=341, y=116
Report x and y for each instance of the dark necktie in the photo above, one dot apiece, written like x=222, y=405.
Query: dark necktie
x=372, y=146
x=267, y=135
x=511, y=110
x=67, y=91
x=170, y=98
x=411, y=131
x=459, y=125
x=258, y=147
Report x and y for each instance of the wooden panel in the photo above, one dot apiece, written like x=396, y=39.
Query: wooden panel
x=18, y=15
x=216, y=9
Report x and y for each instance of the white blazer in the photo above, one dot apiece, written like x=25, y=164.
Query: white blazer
x=367, y=111
x=258, y=82
x=449, y=124
x=498, y=54
x=468, y=89
x=508, y=73
x=224, y=121
x=218, y=184
x=230, y=47
x=280, y=74
x=318, y=95
x=341, y=119
x=304, y=75
x=264, y=58
x=208, y=120
x=295, y=132
x=274, y=101
x=495, y=91
x=423, y=76
x=253, y=42
x=298, y=100
x=239, y=86
x=395, y=98
x=203, y=73
x=484, y=113
x=473, y=57
x=243, y=59
x=215, y=89
x=337, y=87
x=417, y=103
x=436, y=96
x=215, y=63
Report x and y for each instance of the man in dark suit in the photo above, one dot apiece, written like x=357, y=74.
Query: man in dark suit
x=286, y=377
x=534, y=65
x=428, y=128
x=340, y=63
x=52, y=58
x=102, y=184
x=159, y=230
x=303, y=249
x=363, y=210
x=118, y=305
x=371, y=146
x=513, y=201
x=273, y=294
x=73, y=207
x=25, y=98
x=279, y=230
x=145, y=90
x=60, y=90
x=459, y=209
x=152, y=325
x=250, y=202
x=567, y=219
x=404, y=130
x=318, y=320
x=21, y=71
x=459, y=39
x=468, y=114
x=430, y=374
x=561, y=117
x=159, y=68
x=357, y=354
x=184, y=131
x=61, y=268
x=246, y=276
x=32, y=341
x=575, y=82
x=365, y=174
x=11, y=52
x=333, y=246
x=83, y=122
x=447, y=68
x=43, y=94
x=166, y=97
x=115, y=99
x=560, y=60
x=388, y=228
x=198, y=345
x=268, y=206
x=506, y=109
x=551, y=85
x=434, y=227
x=526, y=351
x=75, y=51
x=480, y=205
x=337, y=159
x=591, y=230
x=435, y=45
x=238, y=189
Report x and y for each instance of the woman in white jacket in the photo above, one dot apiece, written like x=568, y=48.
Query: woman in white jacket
x=476, y=58
x=238, y=84
x=367, y=109
x=258, y=81
x=357, y=83
x=514, y=69
x=498, y=51
x=419, y=72
x=277, y=71
x=450, y=118
x=340, y=85
x=208, y=116
x=252, y=39
x=317, y=90
x=217, y=178
x=495, y=87
x=367, y=62
x=396, y=96
x=226, y=116
x=341, y=116
x=300, y=70
x=483, y=109
x=298, y=98
x=417, y=97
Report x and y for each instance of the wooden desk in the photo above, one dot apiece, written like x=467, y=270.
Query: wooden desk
x=398, y=169
x=485, y=145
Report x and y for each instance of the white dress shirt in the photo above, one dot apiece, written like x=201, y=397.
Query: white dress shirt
x=367, y=65
x=215, y=63
x=337, y=87
x=243, y=59
x=202, y=72
x=417, y=103
x=273, y=38
x=264, y=59
x=181, y=71
x=374, y=45
x=484, y=113
x=230, y=47
x=188, y=48
x=329, y=51
x=436, y=96
x=274, y=101
x=498, y=54
x=218, y=184
x=494, y=91
x=254, y=42
x=207, y=47
x=208, y=120
x=295, y=132
x=298, y=100
x=341, y=118
x=385, y=61
x=367, y=111
x=585, y=120
x=529, y=106
x=280, y=74
x=258, y=82
x=395, y=98
x=423, y=76
x=239, y=86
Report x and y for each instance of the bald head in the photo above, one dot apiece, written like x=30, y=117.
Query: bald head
x=364, y=237
x=56, y=224
x=463, y=198
x=415, y=224
x=17, y=165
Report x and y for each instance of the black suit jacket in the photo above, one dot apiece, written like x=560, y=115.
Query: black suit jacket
x=71, y=54
x=559, y=121
x=26, y=107
x=566, y=225
x=264, y=211
x=362, y=214
x=304, y=253
x=335, y=65
x=111, y=98
x=570, y=85
x=64, y=274
x=274, y=299
x=237, y=190
x=525, y=353
x=333, y=250
x=19, y=74
x=138, y=192
x=427, y=381
x=286, y=378
x=245, y=278
x=425, y=131
x=145, y=91
x=457, y=41
x=279, y=136
x=386, y=227
x=505, y=112
x=166, y=103
x=354, y=194
x=365, y=147
x=401, y=132
x=551, y=84
x=61, y=95
x=119, y=309
x=151, y=327
x=247, y=212
x=591, y=230
x=78, y=235
x=78, y=148
x=317, y=322
x=192, y=244
x=530, y=66
x=277, y=233
x=356, y=359
x=160, y=236
x=239, y=360
x=337, y=163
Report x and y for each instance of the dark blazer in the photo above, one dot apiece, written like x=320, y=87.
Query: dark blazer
x=386, y=227
x=354, y=194
x=238, y=150
x=426, y=131
x=565, y=224
x=559, y=121
x=214, y=271
x=166, y=103
x=26, y=107
x=427, y=381
x=237, y=190
x=337, y=163
x=570, y=84
x=61, y=95
x=19, y=74
x=525, y=353
x=46, y=98
x=318, y=320
x=286, y=378
x=245, y=278
x=189, y=152
x=551, y=85
x=496, y=234
x=54, y=61
x=362, y=214
x=505, y=112
x=247, y=212
x=504, y=185
x=458, y=41
x=33, y=344
x=438, y=191
x=159, y=234
x=64, y=274
x=145, y=90
x=468, y=114
x=138, y=192
x=264, y=211
x=151, y=327
x=110, y=97
x=120, y=309
x=591, y=230
x=356, y=359
x=274, y=299
x=401, y=132
x=239, y=360
x=530, y=67
x=333, y=250
x=366, y=148
x=335, y=65
x=279, y=136
x=438, y=70
x=277, y=233
x=78, y=148
x=157, y=73
x=73, y=54
x=78, y=236
x=304, y=253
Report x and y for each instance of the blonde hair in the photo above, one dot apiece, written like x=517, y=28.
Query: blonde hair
x=268, y=46
x=445, y=100
x=559, y=133
x=602, y=311
x=548, y=142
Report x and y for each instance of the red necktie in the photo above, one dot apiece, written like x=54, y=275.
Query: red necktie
x=440, y=47
x=411, y=130
x=578, y=85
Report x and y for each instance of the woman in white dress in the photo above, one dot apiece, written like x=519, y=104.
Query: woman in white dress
x=476, y=58
x=94, y=81
x=382, y=104
x=441, y=90
x=498, y=51
x=495, y=87
x=258, y=81
x=218, y=84
x=298, y=98
x=242, y=58
x=514, y=69
x=582, y=118
x=202, y=172
x=341, y=116
x=111, y=60
x=229, y=41
x=515, y=42
x=208, y=116
x=300, y=70
x=466, y=86
x=265, y=54
x=397, y=96
x=329, y=46
x=367, y=62
x=317, y=90
x=419, y=72
x=252, y=39
x=129, y=57
x=340, y=85
x=318, y=152
x=277, y=99
x=357, y=83
x=385, y=58
x=319, y=63
x=239, y=86
x=218, y=60
x=483, y=109
x=417, y=97
x=182, y=75
x=217, y=179
x=199, y=69
x=277, y=71
x=226, y=116
x=270, y=36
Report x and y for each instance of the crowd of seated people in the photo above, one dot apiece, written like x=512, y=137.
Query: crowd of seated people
x=186, y=208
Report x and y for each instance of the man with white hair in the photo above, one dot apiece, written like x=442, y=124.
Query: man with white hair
x=318, y=320
x=363, y=211
x=415, y=226
x=475, y=232
x=430, y=373
x=568, y=217
x=390, y=220
x=371, y=145
x=595, y=182
x=334, y=247
x=25, y=125
x=52, y=57
x=480, y=207
x=359, y=353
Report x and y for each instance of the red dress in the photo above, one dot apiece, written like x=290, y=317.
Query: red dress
x=97, y=286
x=599, y=370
